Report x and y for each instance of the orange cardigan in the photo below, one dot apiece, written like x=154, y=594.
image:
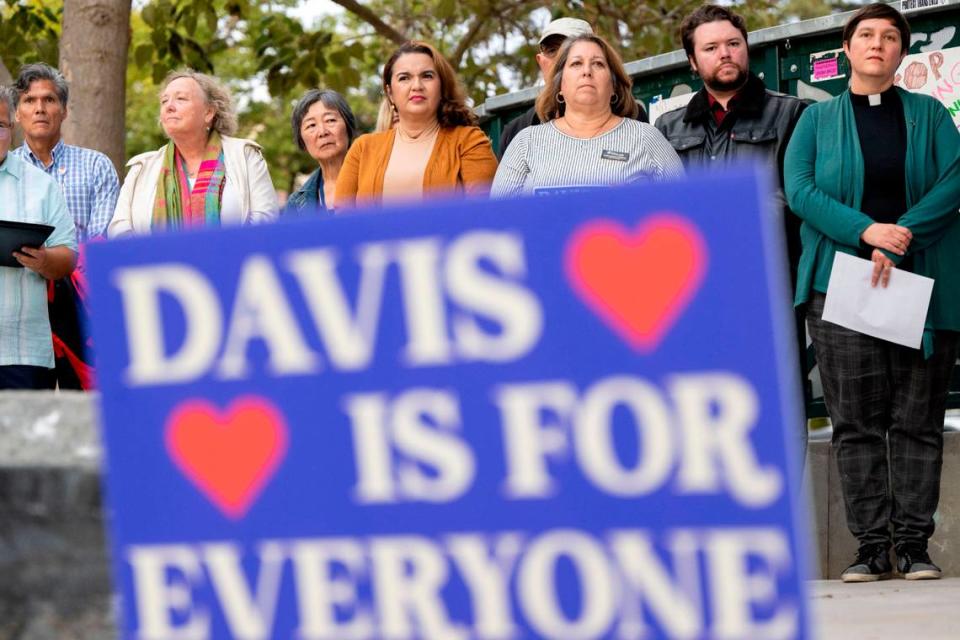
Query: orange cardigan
x=462, y=161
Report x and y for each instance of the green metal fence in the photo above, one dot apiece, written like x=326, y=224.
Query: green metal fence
x=804, y=59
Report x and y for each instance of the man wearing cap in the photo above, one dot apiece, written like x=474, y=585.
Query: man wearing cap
x=26, y=348
x=552, y=38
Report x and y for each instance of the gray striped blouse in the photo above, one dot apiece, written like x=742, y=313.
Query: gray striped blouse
x=543, y=159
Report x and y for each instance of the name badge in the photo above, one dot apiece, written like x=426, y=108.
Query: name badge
x=619, y=156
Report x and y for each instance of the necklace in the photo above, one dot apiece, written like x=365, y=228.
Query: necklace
x=426, y=134
x=575, y=133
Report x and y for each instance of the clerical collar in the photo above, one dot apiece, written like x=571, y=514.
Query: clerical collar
x=873, y=99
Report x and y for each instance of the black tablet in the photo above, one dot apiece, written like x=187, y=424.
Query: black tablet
x=14, y=235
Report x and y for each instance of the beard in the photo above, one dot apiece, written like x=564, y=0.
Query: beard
x=733, y=84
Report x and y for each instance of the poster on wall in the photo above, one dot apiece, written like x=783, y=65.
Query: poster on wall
x=936, y=74
x=559, y=417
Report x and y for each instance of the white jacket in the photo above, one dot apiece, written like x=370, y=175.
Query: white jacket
x=245, y=169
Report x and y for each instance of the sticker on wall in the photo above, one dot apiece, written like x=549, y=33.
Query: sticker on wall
x=827, y=65
x=916, y=5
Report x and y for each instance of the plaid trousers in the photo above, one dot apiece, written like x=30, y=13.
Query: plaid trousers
x=882, y=396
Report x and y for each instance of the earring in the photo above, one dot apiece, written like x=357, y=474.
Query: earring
x=614, y=99
x=560, y=98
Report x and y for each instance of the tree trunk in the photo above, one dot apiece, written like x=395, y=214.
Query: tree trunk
x=93, y=58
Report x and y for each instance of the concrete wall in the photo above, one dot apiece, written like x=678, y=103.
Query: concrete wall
x=54, y=581
x=54, y=575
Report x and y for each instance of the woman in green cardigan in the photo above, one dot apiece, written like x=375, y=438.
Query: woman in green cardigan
x=875, y=172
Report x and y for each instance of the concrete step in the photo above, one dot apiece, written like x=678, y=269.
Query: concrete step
x=884, y=610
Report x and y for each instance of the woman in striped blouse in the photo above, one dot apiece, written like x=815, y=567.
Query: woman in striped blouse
x=589, y=138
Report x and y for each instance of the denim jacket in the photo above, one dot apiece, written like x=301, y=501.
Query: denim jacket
x=308, y=198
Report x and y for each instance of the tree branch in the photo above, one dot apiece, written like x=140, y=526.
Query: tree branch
x=467, y=40
x=373, y=20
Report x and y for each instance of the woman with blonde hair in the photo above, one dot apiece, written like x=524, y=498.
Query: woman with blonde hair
x=435, y=145
x=386, y=117
x=589, y=138
x=203, y=176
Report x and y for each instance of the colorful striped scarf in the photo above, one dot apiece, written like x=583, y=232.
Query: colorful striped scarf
x=176, y=204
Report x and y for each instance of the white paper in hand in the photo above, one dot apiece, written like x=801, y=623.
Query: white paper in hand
x=895, y=312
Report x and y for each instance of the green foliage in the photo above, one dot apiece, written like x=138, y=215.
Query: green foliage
x=183, y=33
x=30, y=32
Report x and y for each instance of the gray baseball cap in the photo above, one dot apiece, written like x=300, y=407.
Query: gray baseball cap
x=566, y=27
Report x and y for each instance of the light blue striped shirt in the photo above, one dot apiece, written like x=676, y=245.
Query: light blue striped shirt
x=88, y=182
x=29, y=195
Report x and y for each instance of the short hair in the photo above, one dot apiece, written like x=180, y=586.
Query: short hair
x=452, y=110
x=709, y=13
x=8, y=95
x=331, y=100
x=216, y=95
x=548, y=107
x=881, y=11
x=30, y=73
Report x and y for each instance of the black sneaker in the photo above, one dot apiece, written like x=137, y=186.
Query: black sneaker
x=914, y=563
x=872, y=564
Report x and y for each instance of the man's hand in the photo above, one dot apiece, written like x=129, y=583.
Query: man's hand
x=882, y=267
x=52, y=263
x=891, y=237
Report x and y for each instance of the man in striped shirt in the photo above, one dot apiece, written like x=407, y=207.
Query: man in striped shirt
x=90, y=186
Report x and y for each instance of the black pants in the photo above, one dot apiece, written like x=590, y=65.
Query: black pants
x=21, y=376
x=65, y=311
x=878, y=394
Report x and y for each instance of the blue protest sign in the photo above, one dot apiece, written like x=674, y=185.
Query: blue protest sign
x=563, y=417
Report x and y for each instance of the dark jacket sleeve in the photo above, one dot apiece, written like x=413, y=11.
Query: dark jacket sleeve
x=642, y=113
x=527, y=119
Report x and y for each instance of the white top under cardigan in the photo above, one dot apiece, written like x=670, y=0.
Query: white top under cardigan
x=248, y=193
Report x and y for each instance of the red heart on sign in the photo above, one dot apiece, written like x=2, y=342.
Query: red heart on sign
x=638, y=283
x=229, y=456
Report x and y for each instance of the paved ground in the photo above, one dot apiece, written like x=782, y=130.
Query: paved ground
x=923, y=609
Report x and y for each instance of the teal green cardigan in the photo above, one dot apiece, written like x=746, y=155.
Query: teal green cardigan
x=823, y=181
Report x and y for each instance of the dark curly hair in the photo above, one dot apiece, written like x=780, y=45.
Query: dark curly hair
x=453, y=110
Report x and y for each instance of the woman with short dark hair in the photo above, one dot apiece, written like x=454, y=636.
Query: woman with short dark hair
x=435, y=145
x=324, y=126
x=875, y=173
x=589, y=138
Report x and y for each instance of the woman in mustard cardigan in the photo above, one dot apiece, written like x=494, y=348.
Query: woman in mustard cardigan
x=435, y=146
